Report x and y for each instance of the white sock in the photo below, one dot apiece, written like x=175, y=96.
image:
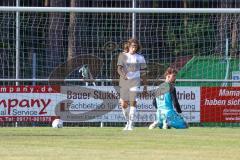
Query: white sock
x=125, y=112
x=131, y=115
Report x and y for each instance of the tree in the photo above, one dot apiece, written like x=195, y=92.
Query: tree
x=56, y=46
x=235, y=31
x=71, y=33
x=185, y=5
x=73, y=30
x=223, y=28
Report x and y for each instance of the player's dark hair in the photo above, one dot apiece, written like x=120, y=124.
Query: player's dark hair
x=170, y=70
x=135, y=41
x=126, y=47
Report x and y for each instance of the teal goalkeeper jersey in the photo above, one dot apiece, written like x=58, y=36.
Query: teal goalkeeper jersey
x=164, y=102
x=168, y=101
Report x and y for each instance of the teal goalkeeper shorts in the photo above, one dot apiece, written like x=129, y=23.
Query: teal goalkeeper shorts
x=171, y=118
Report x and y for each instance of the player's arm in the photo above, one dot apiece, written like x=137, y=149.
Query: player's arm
x=121, y=72
x=144, y=77
x=154, y=102
x=120, y=65
x=143, y=73
x=174, y=99
x=144, y=81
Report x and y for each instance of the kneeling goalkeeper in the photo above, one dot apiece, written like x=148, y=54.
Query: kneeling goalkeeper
x=168, y=109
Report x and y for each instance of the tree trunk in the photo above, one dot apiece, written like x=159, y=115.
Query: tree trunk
x=234, y=35
x=71, y=33
x=77, y=43
x=235, y=32
x=56, y=49
x=185, y=16
x=74, y=33
x=223, y=28
x=46, y=3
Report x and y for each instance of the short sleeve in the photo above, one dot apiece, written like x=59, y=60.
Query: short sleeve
x=120, y=60
x=143, y=65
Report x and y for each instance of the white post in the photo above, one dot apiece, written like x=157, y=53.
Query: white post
x=119, y=10
x=17, y=46
x=17, y=42
x=133, y=20
x=227, y=63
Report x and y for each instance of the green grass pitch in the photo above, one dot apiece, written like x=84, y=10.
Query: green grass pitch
x=109, y=143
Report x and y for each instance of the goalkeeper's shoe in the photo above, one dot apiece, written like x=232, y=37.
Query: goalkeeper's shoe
x=166, y=126
x=153, y=125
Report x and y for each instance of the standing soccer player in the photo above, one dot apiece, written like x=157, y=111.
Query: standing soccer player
x=131, y=68
x=166, y=115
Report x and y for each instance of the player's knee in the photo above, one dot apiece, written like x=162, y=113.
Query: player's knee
x=133, y=103
x=181, y=126
x=123, y=104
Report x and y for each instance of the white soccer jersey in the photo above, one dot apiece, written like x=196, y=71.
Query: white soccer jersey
x=132, y=64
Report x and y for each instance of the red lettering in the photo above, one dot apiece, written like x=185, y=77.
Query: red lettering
x=24, y=103
x=12, y=105
x=21, y=103
x=44, y=106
